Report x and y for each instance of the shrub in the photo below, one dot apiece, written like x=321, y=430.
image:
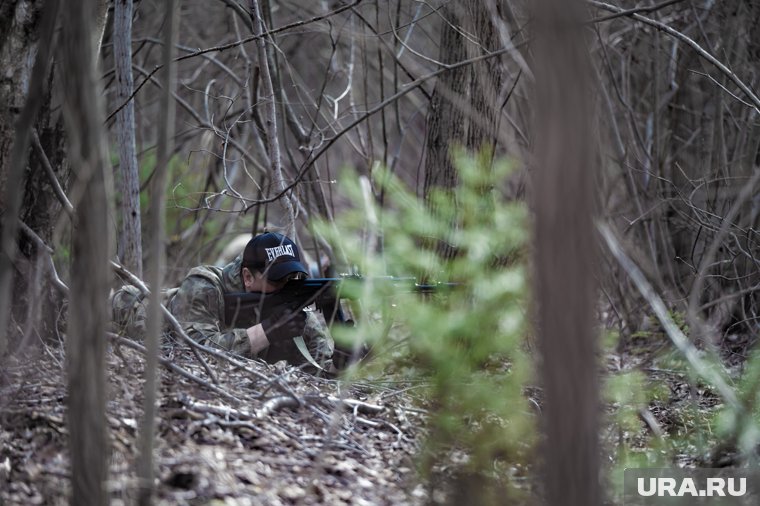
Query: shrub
x=465, y=341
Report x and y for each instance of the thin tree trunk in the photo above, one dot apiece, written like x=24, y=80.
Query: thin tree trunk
x=99, y=28
x=270, y=120
x=565, y=246
x=156, y=260
x=130, y=239
x=90, y=276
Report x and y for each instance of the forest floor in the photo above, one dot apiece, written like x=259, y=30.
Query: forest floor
x=676, y=415
x=270, y=434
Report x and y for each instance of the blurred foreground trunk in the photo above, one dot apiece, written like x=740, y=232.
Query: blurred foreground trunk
x=563, y=202
x=83, y=116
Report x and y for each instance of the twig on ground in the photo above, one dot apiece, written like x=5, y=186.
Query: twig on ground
x=219, y=410
x=276, y=404
x=651, y=421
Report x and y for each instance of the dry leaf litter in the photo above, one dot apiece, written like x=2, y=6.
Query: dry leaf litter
x=240, y=432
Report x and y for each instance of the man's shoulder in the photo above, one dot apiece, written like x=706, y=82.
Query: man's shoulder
x=202, y=278
x=207, y=278
x=208, y=272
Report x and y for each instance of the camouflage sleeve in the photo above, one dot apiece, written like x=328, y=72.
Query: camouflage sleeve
x=317, y=337
x=198, y=308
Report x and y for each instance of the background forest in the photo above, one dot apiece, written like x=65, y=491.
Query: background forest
x=587, y=172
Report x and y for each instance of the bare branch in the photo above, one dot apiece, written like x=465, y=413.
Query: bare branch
x=270, y=119
x=57, y=189
x=408, y=88
x=41, y=246
x=224, y=47
x=696, y=292
x=692, y=44
x=636, y=10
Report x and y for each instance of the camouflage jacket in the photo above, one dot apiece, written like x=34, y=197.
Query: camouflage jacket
x=198, y=305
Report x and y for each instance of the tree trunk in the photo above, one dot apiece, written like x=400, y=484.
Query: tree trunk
x=463, y=108
x=564, y=278
x=447, y=117
x=90, y=274
x=130, y=239
x=21, y=30
x=25, y=94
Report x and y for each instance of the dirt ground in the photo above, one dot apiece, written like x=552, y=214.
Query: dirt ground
x=264, y=434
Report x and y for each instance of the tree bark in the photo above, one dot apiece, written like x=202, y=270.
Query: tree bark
x=130, y=239
x=447, y=117
x=14, y=149
x=464, y=108
x=564, y=239
x=30, y=195
x=90, y=276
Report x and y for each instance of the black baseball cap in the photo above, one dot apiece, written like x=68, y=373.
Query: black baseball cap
x=274, y=254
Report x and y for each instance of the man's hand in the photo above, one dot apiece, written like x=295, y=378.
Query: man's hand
x=284, y=325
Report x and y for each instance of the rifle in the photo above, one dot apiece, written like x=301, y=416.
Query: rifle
x=245, y=309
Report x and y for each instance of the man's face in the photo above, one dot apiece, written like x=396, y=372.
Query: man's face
x=255, y=281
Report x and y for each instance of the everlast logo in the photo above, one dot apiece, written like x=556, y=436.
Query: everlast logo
x=286, y=249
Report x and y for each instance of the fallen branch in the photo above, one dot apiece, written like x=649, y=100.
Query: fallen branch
x=651, y=422
x=172, y=366
x=276, y=404
x=210, y=409
x=241, y=417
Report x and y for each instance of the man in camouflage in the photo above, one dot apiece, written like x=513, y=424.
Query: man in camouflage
x=268, y=262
